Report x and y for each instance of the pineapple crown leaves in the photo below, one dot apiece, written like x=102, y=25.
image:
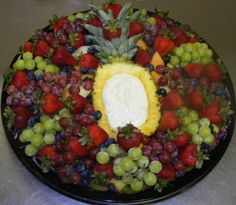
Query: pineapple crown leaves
x=85, y=138
x=9, y=115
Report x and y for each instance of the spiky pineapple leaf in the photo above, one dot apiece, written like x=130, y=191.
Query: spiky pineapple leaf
x=93, y=30
x=132, y=41
x=9, y=115
x=104, y=16
x=135, y=16
x=125, y=10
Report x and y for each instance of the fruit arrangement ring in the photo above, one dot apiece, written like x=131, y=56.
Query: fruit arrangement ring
x=118, y=100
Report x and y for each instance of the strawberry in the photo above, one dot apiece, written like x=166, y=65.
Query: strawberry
x=41, y=48
x=77, y=40
x=21, y=116
x=51, y=104
x=129, y=136
x=172, y=101
x=60, y=23
x=195, y=100
x=97, y=135
x=48, y=151
x=167, y=173
x=27, y=46
x=63, y=57
x=159, y=20
x=111, y=33
x=193, y=39
x=143, y=57
x=194, y=70
x=74, y=145
x=182, y=140
x=213, y=72
x=180, y=37
x=78, y=103
x=106, y=169
x=212, y=113
x=187, y=155
x=169, y=120
x=95, y=22
x=88, y=61
x=135, y=29
x=114, y=7
x=19, y=79
x=163, y=45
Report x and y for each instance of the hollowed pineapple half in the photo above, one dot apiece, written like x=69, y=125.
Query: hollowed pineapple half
x=125, y=93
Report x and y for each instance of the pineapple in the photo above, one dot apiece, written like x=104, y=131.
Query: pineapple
x=116, y=56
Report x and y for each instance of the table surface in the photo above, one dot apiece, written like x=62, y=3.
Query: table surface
x=215, y=20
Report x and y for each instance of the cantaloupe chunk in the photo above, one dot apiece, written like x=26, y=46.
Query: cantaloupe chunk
x=141, y=44
x=157, y=60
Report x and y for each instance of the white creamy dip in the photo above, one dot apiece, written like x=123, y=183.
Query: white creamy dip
x=125, y=101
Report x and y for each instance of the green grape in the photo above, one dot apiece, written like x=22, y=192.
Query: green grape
x=71, y=18
x=186, y=57
x=192, y=128
x=209, y=140
x=204, y=131
x=186, y=120
x=26, y=135
x=194, y=55
x=198, y=45
x=189, y=47
x=37, y=73
x=135, y=153
x=208, y=53
x=127, y=164
x=37, y=139
x=30, y=150
x=127, y=178
x=150, y=179
x=151, y=21
x=197, y=139
x=143, y=12
x=57, y=126
x=118, y=170
x=174, y=60
x=140, y=174
x=80, y=15
x=19, y=65
x=205, y=60
x=204, y=121
x=44, y=118
x=143, y=162
x=41, y=65
x=182, y=111
x=179, y=51
x=155, y=167
x=215, y=128
x=51, y=68
x=49, y=138
x=64, y=113
x=201, y=52
x=204, y=45
x=27, y=56
x=193, y=115
x=117, y=161
x=136, y=185
x=29, y=64
x=134, y=170
x=113, y=150
x=38, y=128
x=48, y=124
x=38, y=59
x=102, y=157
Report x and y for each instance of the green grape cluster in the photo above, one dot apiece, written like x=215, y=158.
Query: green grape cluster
x=191, y=53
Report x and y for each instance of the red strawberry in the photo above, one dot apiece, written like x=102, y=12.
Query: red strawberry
x=213, y=72
x=21, y=116
x=78, y=103
x=27, y=46
x=41, y=48
x=187, y=155
x=106, y=169
x=63, y=57
x=169, y=120
x=115, y=9
x=163, y=45
x=51, y=104
x=143, y=57
x=77, y=40
x=167, y=173
x=60, y=23
x=74, y=145
x=20, y=79
x=129, y=136
x=182, y=140
x=180, y=37
x=194, y=70
x=97, y=135
x=159, y=20
x=88, y=61
x=212, y=113
x=48, y=151
x=111, y=33
x=194, y=100
x=172, y=101
x=95, y=22
x=135, y=29
x=193, y=39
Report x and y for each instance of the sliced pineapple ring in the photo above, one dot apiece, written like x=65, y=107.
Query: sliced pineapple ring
x=105, y=73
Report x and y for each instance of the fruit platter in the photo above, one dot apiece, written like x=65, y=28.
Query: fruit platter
x=118, y=105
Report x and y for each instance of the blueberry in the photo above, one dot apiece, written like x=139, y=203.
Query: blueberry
x=91, y=50
x=31, y=75
x=117, y=177
x=91, y=71
x=220, y=91
x=150, y=67
x=32, y=121
x=80, y=167
x=193, y=82
x=65, y=69
x=111, y=187
x=166, y=59
x=90, y=98
x=40, y=77
x=86, y=181
x=109, y=141
x=162, y=91
x=178, y=174
x=103, y=146
x=86, y=173
x=88, y=41
x=58, y=136
x=84, y=70
x=70, y=48
x=37, y=115
x=175, y=159
x=97, y=115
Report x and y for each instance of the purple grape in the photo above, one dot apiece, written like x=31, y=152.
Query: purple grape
x=154, y=30
x=170, y=22
x=15, y=101
x=147, y=150
x=9, y=100
x=154, y=158
x=48, y=76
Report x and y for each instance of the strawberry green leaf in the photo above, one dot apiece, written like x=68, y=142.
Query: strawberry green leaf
x=46, y=164
x=9, y=115
x=85, y=138
x=7, y=76
x=100, y=179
